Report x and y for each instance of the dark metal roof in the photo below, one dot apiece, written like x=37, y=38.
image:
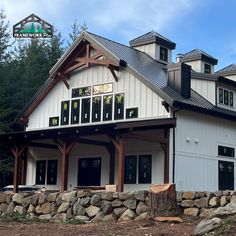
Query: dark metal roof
x=228, y=70
x=151, y=72
x=198, y=54
x=152, y=37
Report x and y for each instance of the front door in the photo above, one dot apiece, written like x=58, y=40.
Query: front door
x=226, y=175
x=89, y=171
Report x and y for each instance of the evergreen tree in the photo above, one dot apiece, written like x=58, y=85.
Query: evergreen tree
x=4, y=37
x=76, y=30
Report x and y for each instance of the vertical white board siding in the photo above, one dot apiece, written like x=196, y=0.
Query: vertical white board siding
x=205, y=88
x=150, y=49
x=137, y=94
x=196, y=65
x=196, y=150
x=50, y=106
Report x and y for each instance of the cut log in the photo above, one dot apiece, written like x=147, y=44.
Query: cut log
x=162, y=201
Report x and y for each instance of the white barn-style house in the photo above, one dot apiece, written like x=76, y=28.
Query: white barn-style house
x=128, y=116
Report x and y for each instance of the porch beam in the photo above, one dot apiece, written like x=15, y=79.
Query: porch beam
x=17, y=153
x=146, y=138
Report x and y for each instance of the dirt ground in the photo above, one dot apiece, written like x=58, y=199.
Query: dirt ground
x=131, y=228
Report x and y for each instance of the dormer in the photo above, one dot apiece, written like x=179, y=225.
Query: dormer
x=155, y=45
x=199, y=60
x=228, y=72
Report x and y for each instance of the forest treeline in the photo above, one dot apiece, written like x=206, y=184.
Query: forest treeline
x=24, y=67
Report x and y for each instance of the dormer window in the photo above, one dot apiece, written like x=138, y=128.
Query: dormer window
x=207, y=68
x=163, y=54
x=226, y=97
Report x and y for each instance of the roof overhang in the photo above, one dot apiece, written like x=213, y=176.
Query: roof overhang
x=26, y=137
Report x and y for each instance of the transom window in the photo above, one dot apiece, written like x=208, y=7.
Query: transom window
x=138, y=169
x=225, y=151
x=46, y=172
x=226, y=97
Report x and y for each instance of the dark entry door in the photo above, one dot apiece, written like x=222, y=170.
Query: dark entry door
x=226, y=175
x=89, y=172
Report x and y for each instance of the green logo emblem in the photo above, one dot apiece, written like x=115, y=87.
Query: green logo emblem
x=32, y=27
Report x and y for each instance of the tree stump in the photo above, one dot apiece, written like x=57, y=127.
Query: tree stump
x=162, y=201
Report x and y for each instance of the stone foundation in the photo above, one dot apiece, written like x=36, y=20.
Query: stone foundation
x=204, y=203
x=86, y=206
x=90, y=206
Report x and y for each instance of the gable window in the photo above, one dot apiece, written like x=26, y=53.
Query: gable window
x=53, y=121
x=75, y=110
x=138, y=169
x=85, y=114
x=46, y=170
x=96, y=109
x=65, y=112
x=107, y=107
x=119, y=106
x=207, y=68
x=225, y=151
x=226, y=97
x=163, y=54
x=81, y=92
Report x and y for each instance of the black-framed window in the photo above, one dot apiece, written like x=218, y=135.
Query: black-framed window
x=132, y=113
x=130, y=169
x=163, y=54
x=53, y=121
x=226, y=97
x=75, y=111
x=49, y=167
x=145, y=169
x=225, y=151
x=52, y=172
x=96, y=109
x=40, y=172
x=81, y=92
x=231, y=99
x=207, y=68
x=85, y=114
x=119, y=106
x=107, y=107
x=221, y=92
x=65, y=107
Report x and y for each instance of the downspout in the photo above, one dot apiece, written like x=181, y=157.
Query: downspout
x=173, y=162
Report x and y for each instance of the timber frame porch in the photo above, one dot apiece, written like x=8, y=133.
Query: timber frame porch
x=64, y=140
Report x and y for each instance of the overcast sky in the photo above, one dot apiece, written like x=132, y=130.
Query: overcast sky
x=206, y=24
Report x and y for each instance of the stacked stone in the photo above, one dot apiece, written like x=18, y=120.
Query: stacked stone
x=86, y=206
x=204, y=203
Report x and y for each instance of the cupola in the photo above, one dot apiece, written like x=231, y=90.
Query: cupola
x=155, y=45
x=199, y=60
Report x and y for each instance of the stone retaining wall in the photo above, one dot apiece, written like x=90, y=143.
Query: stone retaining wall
x=104, y=206
x=82, y=205
x=204, y=203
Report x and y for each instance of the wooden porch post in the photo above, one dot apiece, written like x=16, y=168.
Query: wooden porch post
x=23, y=169
x=119, y=144
x=165, y=147
x=64, y=149
x=111, y=149
x=17, y=152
